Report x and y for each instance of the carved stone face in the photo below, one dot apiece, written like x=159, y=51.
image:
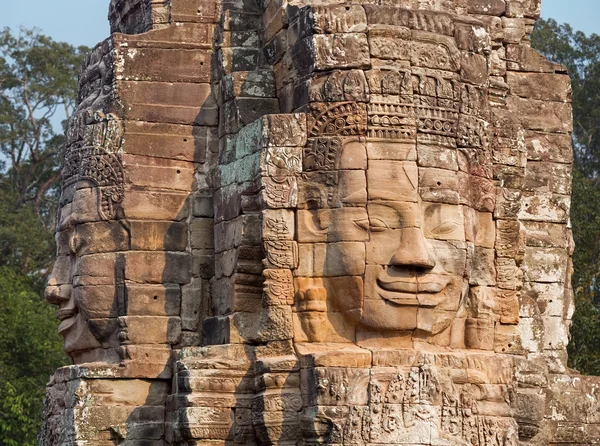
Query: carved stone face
x=395, y=221
x=397, y=195
x=74, y=327
x=388, y=259
x=415, y=253
x=86, y=281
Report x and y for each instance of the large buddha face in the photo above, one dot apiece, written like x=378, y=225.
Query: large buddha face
x=81, y=308
x=86, y=281
x=415, y=274
x=396, y=245
x=396, y=205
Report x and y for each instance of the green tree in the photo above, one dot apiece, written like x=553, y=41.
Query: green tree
x=37, y=85
x=38, y=90
x=30, y=351
x=584, y=351
x=581, y=55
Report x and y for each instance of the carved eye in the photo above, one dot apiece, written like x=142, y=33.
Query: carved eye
x=363, y=224
x=445, y=228
x=373, y=225
x=378, y=225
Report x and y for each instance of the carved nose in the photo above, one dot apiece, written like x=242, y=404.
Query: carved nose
x=413, y=251
x=55, y=294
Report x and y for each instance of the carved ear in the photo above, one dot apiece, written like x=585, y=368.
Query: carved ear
x=311, y=308
x=75, y=243
x=311, y=299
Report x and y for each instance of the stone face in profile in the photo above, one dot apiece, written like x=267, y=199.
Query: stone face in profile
x=301, y=223
x=82, y=283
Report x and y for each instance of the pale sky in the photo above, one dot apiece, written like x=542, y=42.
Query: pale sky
x=84, y=22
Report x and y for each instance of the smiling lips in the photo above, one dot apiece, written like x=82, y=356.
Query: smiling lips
x=67, y=318
x=411, y=291
x=66, y=313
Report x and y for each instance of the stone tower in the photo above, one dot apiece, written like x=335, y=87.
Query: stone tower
x=318, y=222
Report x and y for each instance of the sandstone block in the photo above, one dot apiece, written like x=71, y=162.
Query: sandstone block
x=437, y=157
x=545, y=207
x=92, y=238
x=548, y=177
x=343, y=386
x=166, y=64
x=443, y=222
x=524, y=58
x=194, y=304
x=546, y=235
x=329, y=51
x=277, y=224
x=523, y=8
x=392, y=180
x=331, y=259
x=439, y=185
x=153, y=300
x=546, y=87
x=156, y=205
x=332, y=225
x=488, y=7
x=483, y=271
x=510, y=239
x=202, y=233
x=394, y=151
x=552, y=147
x=479, y=228
x=171, y=141
x=167, y=267
x=545, y=265
x=158, y=235
x=539, y=115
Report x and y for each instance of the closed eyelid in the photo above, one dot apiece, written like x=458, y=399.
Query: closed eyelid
x=372, y=224
x=445, y=228
x=363, y=223
x=378, y=225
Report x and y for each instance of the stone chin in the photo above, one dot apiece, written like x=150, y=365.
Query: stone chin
x=384, y=315
x=77, y=335
x=422, y=303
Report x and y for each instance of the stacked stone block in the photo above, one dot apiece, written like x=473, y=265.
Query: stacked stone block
x=273, y=175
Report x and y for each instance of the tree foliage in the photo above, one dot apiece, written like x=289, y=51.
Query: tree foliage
x=30, y=351
x=37, y=84
x=37, y=91
x=581, y=55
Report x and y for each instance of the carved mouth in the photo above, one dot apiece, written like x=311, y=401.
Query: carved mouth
x=67, y=316
x=66, y=325
x=66, y=313
x=410, y=291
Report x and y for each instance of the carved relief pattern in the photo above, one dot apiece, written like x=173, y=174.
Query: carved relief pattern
x=322, y=153
x=97, y=158
x=282, y=161
x=406, y=407
x=276, y=408
x=280, y=192
x=391, y=122
x=338, y=119
x=278, y=286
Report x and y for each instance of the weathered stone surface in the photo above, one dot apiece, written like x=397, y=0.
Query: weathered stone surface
x=361, y=211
